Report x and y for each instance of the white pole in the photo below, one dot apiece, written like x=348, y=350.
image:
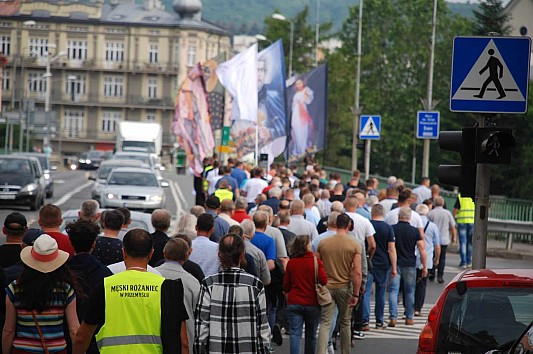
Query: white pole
x=257, y=144
x=317, y=31
x=357, y=109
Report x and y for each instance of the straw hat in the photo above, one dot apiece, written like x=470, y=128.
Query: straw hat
x=44, y=256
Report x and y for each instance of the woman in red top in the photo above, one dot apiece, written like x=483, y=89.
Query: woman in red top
x=299, y=286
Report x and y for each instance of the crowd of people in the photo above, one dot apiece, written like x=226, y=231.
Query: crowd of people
x=242, y=266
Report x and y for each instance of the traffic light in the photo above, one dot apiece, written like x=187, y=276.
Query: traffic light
x=463, y=175
x=494, y=145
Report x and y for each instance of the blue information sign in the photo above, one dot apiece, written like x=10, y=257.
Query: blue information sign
x=490, y=74
x=428, y=125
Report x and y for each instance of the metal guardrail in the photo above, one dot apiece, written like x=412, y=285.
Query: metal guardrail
x=512, y=230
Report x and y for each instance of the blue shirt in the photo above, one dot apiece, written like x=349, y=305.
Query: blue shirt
x=239, y=175
x=363, y=212
x=432, y=237
x=221, y=227
x=266, y=244
x=310, y=216
x=231, y=181
x=384, y=234
x=406, y=239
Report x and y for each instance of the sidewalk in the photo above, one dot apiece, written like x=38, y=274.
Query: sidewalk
x=496, y=248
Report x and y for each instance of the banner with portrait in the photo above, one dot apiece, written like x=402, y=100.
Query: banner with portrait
x=215, y=91
x=191, y=124
x=308, y=99
x=271, y=111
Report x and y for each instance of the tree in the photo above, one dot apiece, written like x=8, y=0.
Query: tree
x=491, y=18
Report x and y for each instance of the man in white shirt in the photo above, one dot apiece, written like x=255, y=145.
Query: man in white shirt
x=362, y=228
x=423, y=191
x=204, y=251
x=298, y=224
x=415, y=221
x=254, y=186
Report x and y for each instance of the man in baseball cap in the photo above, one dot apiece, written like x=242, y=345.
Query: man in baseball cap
x=15, y=226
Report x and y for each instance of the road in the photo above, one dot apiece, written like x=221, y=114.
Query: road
x=73, y=187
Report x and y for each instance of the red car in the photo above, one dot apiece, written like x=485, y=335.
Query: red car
x=479, y=311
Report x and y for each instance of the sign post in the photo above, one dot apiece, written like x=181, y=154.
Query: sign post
x=489, y=75
x=369, y=129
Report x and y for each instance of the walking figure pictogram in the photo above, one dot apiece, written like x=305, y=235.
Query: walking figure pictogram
x=371, y=128
x=493, y=64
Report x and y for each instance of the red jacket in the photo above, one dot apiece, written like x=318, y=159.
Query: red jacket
x=299, y=281
x=240, y=215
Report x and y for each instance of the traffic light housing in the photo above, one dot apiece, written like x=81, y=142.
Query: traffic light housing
x=494, y=145
x=463, y=175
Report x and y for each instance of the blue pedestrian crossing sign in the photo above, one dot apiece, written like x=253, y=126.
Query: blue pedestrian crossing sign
x=490, y=74
x=427, y=125
x=369, y=127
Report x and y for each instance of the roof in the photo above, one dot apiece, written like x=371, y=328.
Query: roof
x=9, y=8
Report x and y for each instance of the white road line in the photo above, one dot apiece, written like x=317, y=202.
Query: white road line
x=181, y=195
x=179, y=207
x=69, y=195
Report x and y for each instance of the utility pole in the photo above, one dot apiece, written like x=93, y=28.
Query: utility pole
x=357, y=109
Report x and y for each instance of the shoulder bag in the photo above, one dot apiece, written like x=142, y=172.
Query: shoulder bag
x=41, y=337
x=322, y=293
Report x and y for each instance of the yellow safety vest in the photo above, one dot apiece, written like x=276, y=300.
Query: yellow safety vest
x=132, y=314
x=206, y=183
x=466, y=213
x=223, y=194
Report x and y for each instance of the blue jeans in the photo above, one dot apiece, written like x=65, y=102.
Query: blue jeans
x=297, y=315
x=465, y=231
x=408, y=276
x=380, y=277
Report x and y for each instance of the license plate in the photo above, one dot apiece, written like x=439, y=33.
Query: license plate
x=7, y=197
x=133, y=206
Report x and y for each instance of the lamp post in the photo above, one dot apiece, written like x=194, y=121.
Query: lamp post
x=260, y=37
x=48, y=76
x=280, y=17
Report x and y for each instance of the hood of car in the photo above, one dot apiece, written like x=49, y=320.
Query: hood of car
x=133, y=190
x=15, y=179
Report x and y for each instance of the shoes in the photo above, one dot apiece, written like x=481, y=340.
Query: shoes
x=463, y=266
x=469, y=266
x=440, y=280
x=431, y=278
x=331, y=350
x=365, y=327
x=271, y=349
x=417, y=313
x=380, y=325
x=276, y=335
x=392, y=322
x=358, y=335
x=409, y=322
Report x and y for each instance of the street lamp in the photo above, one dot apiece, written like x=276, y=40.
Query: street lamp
x=48, y=76
x=260, y=37
x=280, y=17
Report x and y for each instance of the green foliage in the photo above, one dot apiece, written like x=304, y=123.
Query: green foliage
x=490, y=18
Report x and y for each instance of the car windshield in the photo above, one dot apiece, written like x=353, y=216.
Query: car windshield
x=95, y=154
x=484, y=319
x=145, y=159
x=16, y=166
x=133, y=179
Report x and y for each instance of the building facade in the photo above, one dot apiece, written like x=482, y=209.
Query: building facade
x=107, y=63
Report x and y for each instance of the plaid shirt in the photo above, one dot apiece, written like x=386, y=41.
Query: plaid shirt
x=231, y=314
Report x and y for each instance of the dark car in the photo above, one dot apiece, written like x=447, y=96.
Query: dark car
x=91, y=160
x=22, y=181
x=480, y=311
x=47, y=170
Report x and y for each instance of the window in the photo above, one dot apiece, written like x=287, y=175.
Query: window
x=36, y=82
x=73, y=122
x=75, y=87
x=152, y=88
x=5, y=80
x=191, y=55
x=39, y=46
x=150, y=117
x=114, y=52
x=5, y=45
x=153, y=53
x=77, y=50
x=113, y=86
x=110, y=121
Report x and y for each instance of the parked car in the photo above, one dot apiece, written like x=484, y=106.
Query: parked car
x=47, y=170
x=105, y=169
x=91, y=160
x=138, y=219
x=22, y=181
x=480, y=311
x=133, y=188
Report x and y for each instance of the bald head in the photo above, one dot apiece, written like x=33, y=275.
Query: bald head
x=297, y=207
x=337, y=206
x=161, y=219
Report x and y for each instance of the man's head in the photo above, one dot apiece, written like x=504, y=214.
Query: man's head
x=404, y=198
x=50, y=217
x=114, y=220
x=284, y=205
x=338, y=189
x=205, y=225
x=231, y=251
x=223, y=184
x=284, y=217
x=325, y=194
x=425, y=181
x=392, y=193
x=275, y=192
x=377, y=212
x=212, y=203
x=309, y=200
x=241, y=203
x=82, y=234
x=260, y=219
x=248, y=228
x=337, y=206
x=161, y=219
x=438, y=201
x=89, y=210
x=297, y=207
x=137, y=244
x=360, y=198
x=351, y=204
x=236, y=229
x=435, y=190
x=267, y=209
x=127, y=217
x=289, y=194
x=177, y=250
x=332, y=220
x=15, y=225
x=344, y=223
x=227, y=206
x=258, y=172
x=422, y=209
x=198, y=210
x=404, y=214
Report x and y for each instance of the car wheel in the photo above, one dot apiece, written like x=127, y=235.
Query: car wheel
x=50, y=193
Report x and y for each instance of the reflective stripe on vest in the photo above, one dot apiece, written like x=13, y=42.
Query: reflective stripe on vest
x=125, y=340
x=467, y=211
x=132, y=314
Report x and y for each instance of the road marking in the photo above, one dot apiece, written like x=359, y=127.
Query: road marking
x=69, y=195
x=59, y=181
x=177, y=200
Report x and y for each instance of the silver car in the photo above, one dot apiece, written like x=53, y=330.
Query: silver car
x=146, y=158
x=103, y=172
x=133, y=188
